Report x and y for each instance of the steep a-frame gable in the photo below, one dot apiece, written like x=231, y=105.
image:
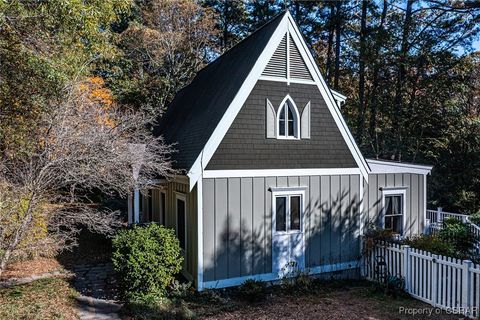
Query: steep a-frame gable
x=203, y=112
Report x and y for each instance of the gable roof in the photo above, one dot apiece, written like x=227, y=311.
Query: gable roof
x=196, y=110
x=202, y=112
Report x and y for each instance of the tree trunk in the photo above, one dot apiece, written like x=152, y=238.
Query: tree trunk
x=17, y=237
x=361, y=81
x=400, y=86
x=338, y=29
x=331, y=31
x=375, y=83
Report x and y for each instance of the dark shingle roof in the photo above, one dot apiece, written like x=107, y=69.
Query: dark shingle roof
x=196, y=110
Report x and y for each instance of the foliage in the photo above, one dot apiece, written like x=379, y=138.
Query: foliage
x=84, y=145
x=253, y=290
x=432, y=243
x=458, y=234
x=475, y=218
x=146, y=260
x=163, y=45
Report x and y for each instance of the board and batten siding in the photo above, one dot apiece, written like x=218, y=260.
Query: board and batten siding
x=237, y=223
x=415, y=202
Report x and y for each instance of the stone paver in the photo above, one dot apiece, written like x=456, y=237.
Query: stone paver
x=99, y=293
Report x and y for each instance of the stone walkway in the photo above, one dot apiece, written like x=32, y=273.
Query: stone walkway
x=99, y=293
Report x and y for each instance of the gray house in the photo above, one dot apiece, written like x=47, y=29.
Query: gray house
x=272, y=172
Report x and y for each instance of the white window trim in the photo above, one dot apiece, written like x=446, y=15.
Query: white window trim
x=296, y=120
x=183, y=197
x=402, y=191
x=287, y=192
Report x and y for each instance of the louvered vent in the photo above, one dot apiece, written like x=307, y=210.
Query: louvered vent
x=277, y=66
x=298, y=68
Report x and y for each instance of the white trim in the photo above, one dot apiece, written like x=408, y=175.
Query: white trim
x=200, y=234
x=395, y=192
x=288, y=57
x=378, y=166
x=218, y=134
x=292, y=80
x=296, y=121
x=340, y=98
x=425, y=202
x=231, y=282
x=279, y=172
x=181, y=196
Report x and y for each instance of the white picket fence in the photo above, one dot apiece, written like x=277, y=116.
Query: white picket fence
x=443, y=282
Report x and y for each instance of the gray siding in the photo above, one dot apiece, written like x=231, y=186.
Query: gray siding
x=237, y=223
x=415, y=202
x=245, y=145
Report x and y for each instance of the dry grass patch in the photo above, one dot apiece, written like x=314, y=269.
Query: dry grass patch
x=51, y=298
x=28, y=268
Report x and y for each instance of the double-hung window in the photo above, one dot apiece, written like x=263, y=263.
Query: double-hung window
x=394, y=210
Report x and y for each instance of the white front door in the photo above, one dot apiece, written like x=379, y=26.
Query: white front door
x=288, y=234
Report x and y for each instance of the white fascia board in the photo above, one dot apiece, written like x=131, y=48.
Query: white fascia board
x=279, y=172
x=378, y=166
x=337, y=95
x=328, y=96
x=237, y=103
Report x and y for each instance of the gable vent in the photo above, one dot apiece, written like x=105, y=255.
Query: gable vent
x=298, y=68
x=277, y=66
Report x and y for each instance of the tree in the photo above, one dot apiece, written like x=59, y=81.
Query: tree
x=80, y=147
x=44, y=44
x=163, y=48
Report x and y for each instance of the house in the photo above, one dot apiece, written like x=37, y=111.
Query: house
x=272, y=172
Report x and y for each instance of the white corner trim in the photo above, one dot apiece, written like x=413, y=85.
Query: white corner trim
x=200, y=234
x=378, y=166
x=287, y=24
x=231, y=282
x=278, y=172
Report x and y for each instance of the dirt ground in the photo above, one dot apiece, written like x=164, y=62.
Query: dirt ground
x=346, y=303
x=28, y=268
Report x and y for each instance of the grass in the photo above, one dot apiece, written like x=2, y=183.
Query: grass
x=51, y=298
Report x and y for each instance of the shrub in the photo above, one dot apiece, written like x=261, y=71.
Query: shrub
x=146, y=258
x=431, y=243
x=475, y=218
x=253, y=290
x=458, y=234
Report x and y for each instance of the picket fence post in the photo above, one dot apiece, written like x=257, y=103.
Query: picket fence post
x=439, y=214
x=406, y=266
x=434, y=279
x=466, y=282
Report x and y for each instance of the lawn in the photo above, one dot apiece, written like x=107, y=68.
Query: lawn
x=51, y=298
x=322, y=300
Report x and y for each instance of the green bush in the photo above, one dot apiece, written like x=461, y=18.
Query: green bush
x=458, y=234
x=146, y=259
x=431, y=243
x=253, y=290
x=475, y=218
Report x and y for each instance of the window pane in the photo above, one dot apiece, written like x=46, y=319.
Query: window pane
x=397, y=224
x=295, y=213
x=397, y=204
x=280, y=218
x=181, y=222
x=389, y=223
x=281, y=122
x=388, y=205
x=291, y=124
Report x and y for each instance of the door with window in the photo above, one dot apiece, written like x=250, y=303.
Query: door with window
x=288, y=234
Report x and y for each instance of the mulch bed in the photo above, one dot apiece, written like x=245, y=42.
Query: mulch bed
x=28, y=268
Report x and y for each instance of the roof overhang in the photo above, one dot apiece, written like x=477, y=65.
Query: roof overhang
x=379, y=166
x=340, y=98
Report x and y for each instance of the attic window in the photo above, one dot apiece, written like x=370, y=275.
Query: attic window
x=288, y=126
